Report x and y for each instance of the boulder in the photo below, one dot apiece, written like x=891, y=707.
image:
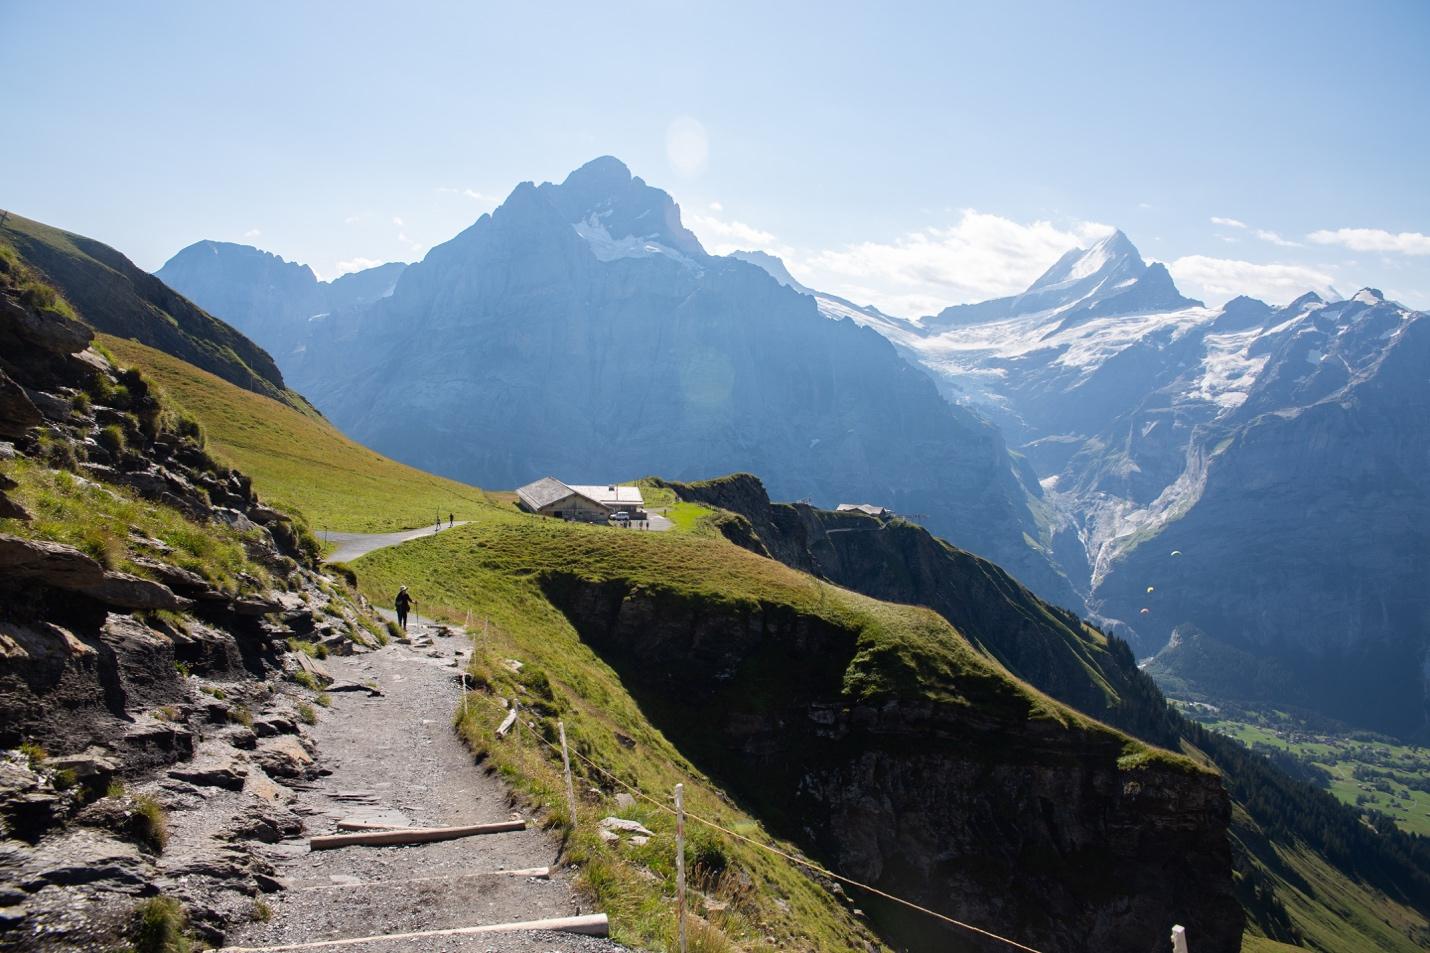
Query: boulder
x=123, y=591
x=234, y=519
x=48, y=330
x=52, y=564
x=92, y=770
x=180, y=580
x=81, y=855
x=284, y=757
x=266, y=822
x=274, y=725
x=17, y=412
x=216, y=771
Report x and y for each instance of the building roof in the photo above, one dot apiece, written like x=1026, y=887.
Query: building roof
x=543, y=492
x=549, y=490
x=867, y=508
x=615, y=496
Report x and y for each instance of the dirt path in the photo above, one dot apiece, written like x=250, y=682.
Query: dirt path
x=349, y=546
x=396, y=759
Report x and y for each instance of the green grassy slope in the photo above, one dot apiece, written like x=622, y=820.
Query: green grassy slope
x=297, y=459
x=113, y=295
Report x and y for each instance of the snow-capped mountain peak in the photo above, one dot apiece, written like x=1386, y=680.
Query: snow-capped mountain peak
x=619, y=215
x=1114, y=254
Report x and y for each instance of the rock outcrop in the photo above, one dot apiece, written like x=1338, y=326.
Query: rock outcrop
x=952, y=792
x=130, y=666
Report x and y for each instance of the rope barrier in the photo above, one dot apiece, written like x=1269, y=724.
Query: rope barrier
x=801, y=861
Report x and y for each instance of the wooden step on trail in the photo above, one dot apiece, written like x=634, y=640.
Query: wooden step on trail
x=411, y=835
x=592, y=924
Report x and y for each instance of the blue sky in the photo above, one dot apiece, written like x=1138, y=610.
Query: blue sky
x=909, y=155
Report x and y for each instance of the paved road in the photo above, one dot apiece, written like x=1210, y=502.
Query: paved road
x=349, y=546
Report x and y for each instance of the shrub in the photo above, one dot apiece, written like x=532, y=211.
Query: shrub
x=241, y=715
x=324, y=699
x=306, y=712
x=80, y=402
x=307, y=680
x=159, y=927
x=111, y=438
x=262, y=912
x=33, y=753
x=151, y=823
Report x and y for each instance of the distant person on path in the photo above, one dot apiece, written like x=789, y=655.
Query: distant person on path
x=403, y=603
x=451, y=520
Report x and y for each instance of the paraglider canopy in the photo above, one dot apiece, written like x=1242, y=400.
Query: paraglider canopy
x=1146, y=611
x=1151, y=588
x=1176, y=552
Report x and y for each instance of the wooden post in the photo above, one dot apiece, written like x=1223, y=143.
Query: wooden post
x=566, y=768
x=1179, y=939
x=680, y=862
x=464, y=694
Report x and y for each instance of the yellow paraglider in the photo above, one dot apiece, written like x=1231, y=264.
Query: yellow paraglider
x=1151, y=588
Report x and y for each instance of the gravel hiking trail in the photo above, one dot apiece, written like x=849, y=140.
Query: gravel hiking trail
x=396, y=759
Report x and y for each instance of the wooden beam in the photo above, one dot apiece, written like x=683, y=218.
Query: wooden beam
x=411, y=835
x=506, y=723
x=593, y=924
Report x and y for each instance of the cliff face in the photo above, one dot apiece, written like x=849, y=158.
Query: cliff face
x=951, y=789
x=898, y=561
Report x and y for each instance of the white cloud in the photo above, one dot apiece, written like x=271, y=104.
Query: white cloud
x=686, y=146
x=716, y=207
x=722, y=236
x=397, y=220
x=1269, y=236
x=472, y=194
x=1228, y=222
x=1374, y=239
x=1215, y=280
x=982, y=256
x=356, y=264
x=253, y=233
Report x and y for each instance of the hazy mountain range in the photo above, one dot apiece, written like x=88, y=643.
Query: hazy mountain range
x=581, y=331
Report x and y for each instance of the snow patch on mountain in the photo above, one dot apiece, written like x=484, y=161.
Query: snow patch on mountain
x=607, y=248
